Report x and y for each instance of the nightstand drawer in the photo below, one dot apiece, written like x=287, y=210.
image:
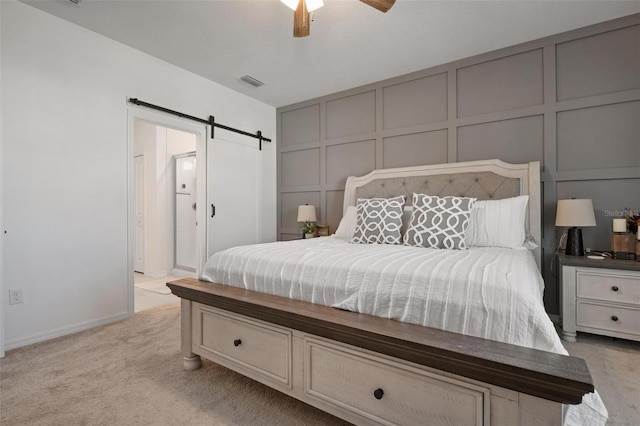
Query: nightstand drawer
x=606, y=317
x=610, y=286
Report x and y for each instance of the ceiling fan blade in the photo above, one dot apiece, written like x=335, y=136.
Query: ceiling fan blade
x=301, y=20
x=381, y=5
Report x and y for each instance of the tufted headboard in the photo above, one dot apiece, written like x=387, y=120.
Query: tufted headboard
x=484, y=180
x=481, y=185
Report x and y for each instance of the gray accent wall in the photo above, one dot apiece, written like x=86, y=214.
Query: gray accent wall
x=570, y=101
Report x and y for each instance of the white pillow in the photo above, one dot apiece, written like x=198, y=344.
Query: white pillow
x=347, y=226
x=498, y=223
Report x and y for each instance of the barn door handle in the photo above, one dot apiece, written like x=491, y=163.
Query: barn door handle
x=213, y=210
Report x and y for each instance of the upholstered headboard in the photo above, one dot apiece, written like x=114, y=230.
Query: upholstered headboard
x=484, y=180
x=481, y=185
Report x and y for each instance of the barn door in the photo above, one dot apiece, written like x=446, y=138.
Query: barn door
x=233, y=196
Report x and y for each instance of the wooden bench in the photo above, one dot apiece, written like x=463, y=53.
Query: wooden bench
x=372, y=370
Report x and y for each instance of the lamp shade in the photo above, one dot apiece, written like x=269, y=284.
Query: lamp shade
x=307, y=213
x=575, y=213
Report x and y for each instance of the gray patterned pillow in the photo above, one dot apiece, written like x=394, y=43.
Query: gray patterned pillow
x=379, y=220
x=439, y=222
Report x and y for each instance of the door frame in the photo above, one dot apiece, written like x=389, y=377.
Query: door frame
x=139, y=194
x=3, y=231
x=201, y=131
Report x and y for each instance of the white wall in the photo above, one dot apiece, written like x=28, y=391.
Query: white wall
x=64, y=116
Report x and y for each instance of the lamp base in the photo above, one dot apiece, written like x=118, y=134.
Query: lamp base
x=574, y=242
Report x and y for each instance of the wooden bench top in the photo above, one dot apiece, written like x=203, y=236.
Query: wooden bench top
x=547, y=375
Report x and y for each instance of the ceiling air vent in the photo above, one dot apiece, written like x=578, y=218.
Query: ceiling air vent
x=76, y=2
x=252, y=81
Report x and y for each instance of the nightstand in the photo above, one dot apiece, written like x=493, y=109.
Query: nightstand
x=600, y=297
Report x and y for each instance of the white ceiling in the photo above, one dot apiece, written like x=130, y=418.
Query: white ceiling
x=351, y=44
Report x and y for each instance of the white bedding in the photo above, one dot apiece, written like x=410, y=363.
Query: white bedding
x=493, y=293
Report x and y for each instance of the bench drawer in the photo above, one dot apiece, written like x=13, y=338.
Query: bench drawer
x=253, y=345
x=387, y=392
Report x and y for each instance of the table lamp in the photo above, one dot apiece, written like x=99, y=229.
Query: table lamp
x=306, y=215
x=575, y=214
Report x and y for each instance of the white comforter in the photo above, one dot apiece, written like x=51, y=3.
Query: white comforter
x=493, y=293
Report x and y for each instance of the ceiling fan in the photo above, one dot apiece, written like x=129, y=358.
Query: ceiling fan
x=303, y=8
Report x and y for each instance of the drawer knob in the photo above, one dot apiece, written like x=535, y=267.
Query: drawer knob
x=378, y=393
x=237, y=342
x=614, y=318
x=614, y=288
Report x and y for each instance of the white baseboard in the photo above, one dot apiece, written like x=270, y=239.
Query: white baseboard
x=156, y=274
x=183, y=273
x=41, y=337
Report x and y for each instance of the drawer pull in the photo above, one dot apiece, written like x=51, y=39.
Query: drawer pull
x=378, y=393
x=237, y=342
x=614, y=288
x=614, y=318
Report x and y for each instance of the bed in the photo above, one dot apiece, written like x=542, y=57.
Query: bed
x=471, y=346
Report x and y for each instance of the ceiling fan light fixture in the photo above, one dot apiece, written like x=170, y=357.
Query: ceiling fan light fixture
x=302, y=15
x=311, y=4
x=291, y=4
x=314, y=4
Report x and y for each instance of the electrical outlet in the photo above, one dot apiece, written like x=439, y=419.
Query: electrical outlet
x=15, y=296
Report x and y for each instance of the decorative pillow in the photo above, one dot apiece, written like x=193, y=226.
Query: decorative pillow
x=498, y=223
x=439, y=222
x=347, y=225
x=379, y=220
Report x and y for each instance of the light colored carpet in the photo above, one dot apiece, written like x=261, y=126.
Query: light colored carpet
x=130, y=373
x=615, y=368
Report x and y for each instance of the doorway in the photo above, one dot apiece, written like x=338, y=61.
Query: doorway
x=165, y=200
x=184, y=217
x=164, y=236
